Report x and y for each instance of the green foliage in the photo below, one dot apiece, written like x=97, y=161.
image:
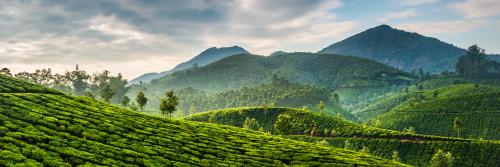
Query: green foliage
x=283, y=124
x=107, y=93
x=441, y=159
x=168, y=103
x=475, y=64
x=125, y=101
x=12, y=85
x=38, y=129
x=141, y=100
x=395, y=156
x=252, y=124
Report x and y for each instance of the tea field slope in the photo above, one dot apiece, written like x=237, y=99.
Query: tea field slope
x=50, y=129
x=413, y=149
x=476, y=106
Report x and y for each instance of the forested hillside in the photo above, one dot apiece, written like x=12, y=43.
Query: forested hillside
x=477, y=108
x=40, y=128
x=404, y=50
x=331, y=72
x=319, y=128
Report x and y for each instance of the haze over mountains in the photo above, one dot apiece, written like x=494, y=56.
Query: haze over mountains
x=206, y=57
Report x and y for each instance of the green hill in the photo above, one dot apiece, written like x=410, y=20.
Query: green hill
x=477, y=106
x=333, y=72
x=413, y=149
x=400, y=49
x=46, y=128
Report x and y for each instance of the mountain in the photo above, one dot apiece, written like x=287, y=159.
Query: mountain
x=476, y=105
x=42, y=127
x=206, y=57
x=302, y=125
x=333, y=72
x=400, y=49
x=277, y=53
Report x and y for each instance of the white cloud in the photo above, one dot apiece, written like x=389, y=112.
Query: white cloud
x=442, y=27
x=478, y=8
x=398, y=15
x=416, y=2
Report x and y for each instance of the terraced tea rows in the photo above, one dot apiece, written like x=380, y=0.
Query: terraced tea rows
x=39, y=129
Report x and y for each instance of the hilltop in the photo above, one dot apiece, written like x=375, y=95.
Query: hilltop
x=206, y=57
x=400, y=49
x=39, y=127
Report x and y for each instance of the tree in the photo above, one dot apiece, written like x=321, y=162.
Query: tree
x=410, y=130
x=251, y=123
x=78, y=79
x=169, y=103
x=471, y=64
x=88, y=94
x=321, y=106
x=5, y=71
x=141, y=100
x=107, y=93
x=283, y=124
x=395, y=156
x=133, y=106
x=457, y=125
x=365, y=150
x=347, y=145
x=335, y=99
x=441, y=159
x=125, y=101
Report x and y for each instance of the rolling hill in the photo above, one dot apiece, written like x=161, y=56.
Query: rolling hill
x=43, y=127
x=333, y=72
x=413, y=149
x=206, y=57
x=477, y=106
x=400, y=49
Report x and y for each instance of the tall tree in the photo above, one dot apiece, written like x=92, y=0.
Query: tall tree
x=78, y=79
x=107, y=93
x=321, y=106
x=141, y=100
x=169, y=103
x=457, y=125
x=283, y=124
x=251, y=123
x=471, y=63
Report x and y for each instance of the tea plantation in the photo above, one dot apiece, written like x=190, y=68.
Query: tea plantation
x=476, y=106
x=413, y=149
x=41, y=127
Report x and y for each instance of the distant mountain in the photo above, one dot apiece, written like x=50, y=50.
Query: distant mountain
x=204, y=58
x=277, y=53
x=400, y=49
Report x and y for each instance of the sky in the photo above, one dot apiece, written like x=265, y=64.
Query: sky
x=134, y=37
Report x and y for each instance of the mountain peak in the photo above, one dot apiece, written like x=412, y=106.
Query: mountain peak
x=399, y=48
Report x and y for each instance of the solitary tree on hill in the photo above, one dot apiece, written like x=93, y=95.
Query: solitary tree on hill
x=169, y=103
x=141, y=100
x=457, y=125
x=5, y=71
x=321, y=106
x=283, y=124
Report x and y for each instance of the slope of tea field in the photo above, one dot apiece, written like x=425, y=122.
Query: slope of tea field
x=477, y=106
x=39, y=127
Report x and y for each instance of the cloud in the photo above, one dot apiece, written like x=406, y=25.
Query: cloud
x=416, y=2
x=112, y=34
x=478, y=8
x=443, y=27
x=398, y=15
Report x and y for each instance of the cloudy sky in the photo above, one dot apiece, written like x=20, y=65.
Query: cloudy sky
x=135, y=37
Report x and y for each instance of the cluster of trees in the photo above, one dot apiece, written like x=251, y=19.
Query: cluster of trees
x=276, y=92
x=103, y=86
x=168, y=104
x=475, y=63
